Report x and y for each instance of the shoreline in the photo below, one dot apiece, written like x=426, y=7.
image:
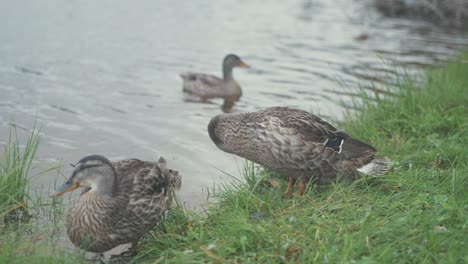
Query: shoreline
x=412, y=214
x=415, y=213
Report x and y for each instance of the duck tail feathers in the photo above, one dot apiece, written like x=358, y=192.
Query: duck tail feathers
x=378, y=166
x=175, y=179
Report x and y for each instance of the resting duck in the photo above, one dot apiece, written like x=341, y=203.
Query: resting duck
x=296, y=144
x=208, y=86
x=120, y=203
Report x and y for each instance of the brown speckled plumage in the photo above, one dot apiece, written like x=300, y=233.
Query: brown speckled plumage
x=295, y=143
x=98, y=222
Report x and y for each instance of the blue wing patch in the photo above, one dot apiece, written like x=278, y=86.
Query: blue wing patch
x=334, y=143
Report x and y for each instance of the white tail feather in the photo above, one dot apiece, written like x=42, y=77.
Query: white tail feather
x=377, y=167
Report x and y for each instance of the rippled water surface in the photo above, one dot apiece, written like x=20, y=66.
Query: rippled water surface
x=102, y=76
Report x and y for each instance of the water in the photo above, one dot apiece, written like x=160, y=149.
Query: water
x=102, y=76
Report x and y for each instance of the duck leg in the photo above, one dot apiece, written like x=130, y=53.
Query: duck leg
x=289, y=190
x=302, y=186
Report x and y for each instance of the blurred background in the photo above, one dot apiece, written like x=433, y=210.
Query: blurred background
x=103, y=76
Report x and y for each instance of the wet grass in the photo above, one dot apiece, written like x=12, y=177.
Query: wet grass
x=29, y=229
x=415, y=214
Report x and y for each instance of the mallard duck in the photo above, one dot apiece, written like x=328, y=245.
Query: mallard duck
x=208, y=86
x=297, y=144
x=121, y=200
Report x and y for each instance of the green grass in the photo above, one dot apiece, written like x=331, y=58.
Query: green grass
x=415, y=214
x=20, y=251
x=15, y=165
x=24, y=235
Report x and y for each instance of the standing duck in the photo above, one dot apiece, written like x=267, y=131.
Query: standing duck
x=208, y=86
x=121, y=201
x=297, y=144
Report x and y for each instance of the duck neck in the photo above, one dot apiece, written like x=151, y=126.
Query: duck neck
x=227, y=73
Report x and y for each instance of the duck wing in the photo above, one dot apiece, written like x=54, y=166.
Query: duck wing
x=126, y=171
x=296, y=142
x=149, y=188
x=313, y=129
x=329, y=146
x=145, y=192
x=202, y=85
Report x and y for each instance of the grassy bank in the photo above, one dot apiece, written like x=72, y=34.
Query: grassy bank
x=415, y=214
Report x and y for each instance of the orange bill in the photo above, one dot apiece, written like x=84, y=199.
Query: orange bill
x=68, y=186
x=244, y=65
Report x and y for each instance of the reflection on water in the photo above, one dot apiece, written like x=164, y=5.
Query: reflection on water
x=102, y=76
x=228, y=105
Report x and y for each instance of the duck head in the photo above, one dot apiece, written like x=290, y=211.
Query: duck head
x=231, y=61
x=94, y=172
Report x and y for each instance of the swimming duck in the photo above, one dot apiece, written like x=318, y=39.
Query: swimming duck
x=296, y=144
x=121, y=200
x=208, y=86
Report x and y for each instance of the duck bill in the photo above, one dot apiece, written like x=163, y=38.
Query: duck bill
x=68, y=186
x=244, y=65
